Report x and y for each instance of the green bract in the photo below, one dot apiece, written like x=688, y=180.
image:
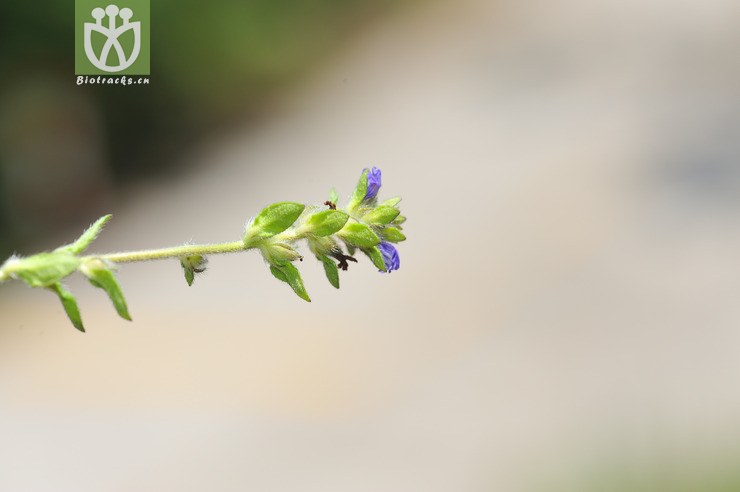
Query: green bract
x=290, y=275
x=381, y=215
x=272, y=220
x=359, y=235
x=333, y=235
x=393, y=235
x=376, y=257
x=325, y=223
x=391, y=202
x=331, y=270
x=333, y=196
x=69, y=303
x=100, y=276
x=359, y=194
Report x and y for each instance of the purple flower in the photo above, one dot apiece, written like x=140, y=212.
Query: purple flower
x=373, y=183
x=390, y=256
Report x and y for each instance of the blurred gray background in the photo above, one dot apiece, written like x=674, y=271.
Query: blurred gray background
x=565, y=317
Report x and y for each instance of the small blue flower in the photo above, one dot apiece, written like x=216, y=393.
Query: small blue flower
x=390, y=256
x=373, y=183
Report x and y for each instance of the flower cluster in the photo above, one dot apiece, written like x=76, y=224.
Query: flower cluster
x=333, y=235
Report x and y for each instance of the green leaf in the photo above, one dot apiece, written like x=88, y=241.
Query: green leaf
x=393, y=235
x=376, y=257
x=381, y=215
x=273, y=220
x=101, y=277
x=278, y=274
x=360, y=191
x=400, y=220
x=391, y=202
x=325, y=223
x=44, y=269
x=358, y=234
x=189, y=274
x=331, y=270
x=333, y=196
x=192, y=265
x=70, y=305
x=291, y=276
x=90, y=234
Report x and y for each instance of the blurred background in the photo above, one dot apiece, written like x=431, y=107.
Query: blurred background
x=566, y=314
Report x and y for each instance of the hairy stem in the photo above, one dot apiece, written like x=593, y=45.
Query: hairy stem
x=175, y=252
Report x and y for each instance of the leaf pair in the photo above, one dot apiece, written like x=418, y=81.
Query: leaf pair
x=277, y=218
x=103, y=279
x=48, y=270
x=100, y=276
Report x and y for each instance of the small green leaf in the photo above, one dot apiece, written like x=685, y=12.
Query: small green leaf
x=381, y=215
x=331, y=270
x=391, y=202
x=399, y=220
x=44, y=269
x=272, y=220
x=358, y=234
x=192, y=265
x=393, y=235
x=189, y=274
x=360, y=191
x=278, y=274
x=87, y=237
x=376, y=257
x=70, y=305
x=101, y=277
x=325, y=223
x=333, y=196
x=291, y=276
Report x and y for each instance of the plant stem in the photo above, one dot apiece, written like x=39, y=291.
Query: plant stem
x=175, y=252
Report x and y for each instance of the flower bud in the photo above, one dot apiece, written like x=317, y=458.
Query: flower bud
x=192, y=265
x=277, y=252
